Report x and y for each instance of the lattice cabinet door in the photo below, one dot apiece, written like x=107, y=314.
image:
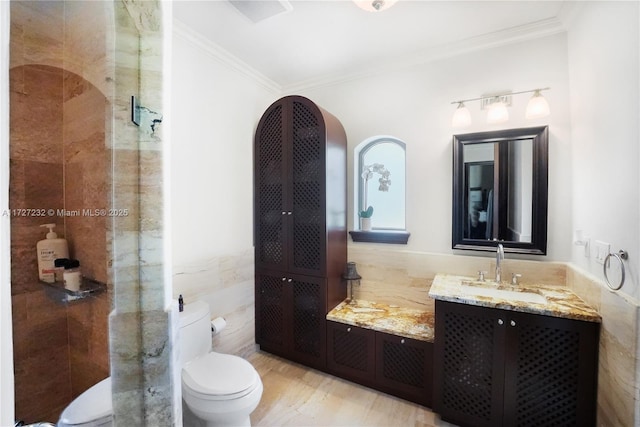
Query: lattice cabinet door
x=308, y=192
x=551, y=371
x=351, y=352
x=308, y=305
x=272, y=317
x=404, y=366
x=469, y=364
x=271, y=210
x=504, y=368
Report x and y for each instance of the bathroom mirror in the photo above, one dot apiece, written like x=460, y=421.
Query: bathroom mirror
x=500, y=190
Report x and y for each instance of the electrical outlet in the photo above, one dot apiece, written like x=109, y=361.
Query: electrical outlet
x=601, y=250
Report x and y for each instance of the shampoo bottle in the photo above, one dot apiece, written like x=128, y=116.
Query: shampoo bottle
x=49, y=250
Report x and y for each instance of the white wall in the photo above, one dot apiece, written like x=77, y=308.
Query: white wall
x=605, y=116
x=214, y=115
x=216, y=106
x=415, y=106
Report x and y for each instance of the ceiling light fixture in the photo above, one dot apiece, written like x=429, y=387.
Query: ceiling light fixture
x=496, y=106
x=374, y=5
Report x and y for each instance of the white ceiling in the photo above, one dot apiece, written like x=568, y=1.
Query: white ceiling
x=326, y=40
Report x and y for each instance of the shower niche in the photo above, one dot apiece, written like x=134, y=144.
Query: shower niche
x=59, y=170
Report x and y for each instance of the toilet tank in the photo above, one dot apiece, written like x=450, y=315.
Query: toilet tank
x=195, y=331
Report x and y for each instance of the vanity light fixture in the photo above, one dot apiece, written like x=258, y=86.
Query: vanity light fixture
x=496, y=106
x=537, y=106
x=497, y=111
x=374, y=5
x=462, y=117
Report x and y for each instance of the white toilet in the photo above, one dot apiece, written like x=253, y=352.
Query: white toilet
x=220, y=389
x=93, y=408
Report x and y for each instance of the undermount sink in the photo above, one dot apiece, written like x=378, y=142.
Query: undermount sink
x=503, y=294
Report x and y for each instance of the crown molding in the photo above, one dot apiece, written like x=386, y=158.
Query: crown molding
x=495, y=39
x=223, y=56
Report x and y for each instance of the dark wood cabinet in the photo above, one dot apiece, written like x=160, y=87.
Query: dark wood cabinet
x=389, y=363
x=351, y=352
x=497, y=367
x=300, y=231
x=290, y=317
x=404, y=367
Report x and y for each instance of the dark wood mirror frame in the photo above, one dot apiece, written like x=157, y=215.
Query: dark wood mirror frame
x=540, y=137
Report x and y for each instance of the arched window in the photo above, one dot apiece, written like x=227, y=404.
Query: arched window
x=379, y=187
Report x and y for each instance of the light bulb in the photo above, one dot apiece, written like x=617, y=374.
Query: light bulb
x=537, y=106
x=461, y=117
x=497, y=113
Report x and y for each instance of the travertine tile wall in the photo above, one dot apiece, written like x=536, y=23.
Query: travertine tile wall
x=226, y=283
x=618, y=359
x=393, y=276
x=86, y=162
x=58, y=122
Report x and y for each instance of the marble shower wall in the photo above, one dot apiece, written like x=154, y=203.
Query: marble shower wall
x=141, y=324
x=404, y=278
x=58, y=160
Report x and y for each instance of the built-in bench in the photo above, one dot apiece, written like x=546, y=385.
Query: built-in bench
x=386, y=347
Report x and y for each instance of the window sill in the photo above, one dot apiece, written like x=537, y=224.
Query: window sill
x=380, y=236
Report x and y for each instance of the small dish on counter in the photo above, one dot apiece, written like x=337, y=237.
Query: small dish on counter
x=557, y=301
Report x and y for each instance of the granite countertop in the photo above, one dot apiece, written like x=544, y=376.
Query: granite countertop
x=404, y=322
x=558, y=301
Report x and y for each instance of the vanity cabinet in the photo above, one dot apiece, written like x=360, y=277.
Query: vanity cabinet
x=300, y=234
x=496, y=367
x=399, y=366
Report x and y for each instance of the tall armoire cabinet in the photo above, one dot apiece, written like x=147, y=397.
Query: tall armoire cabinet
x=300, y=231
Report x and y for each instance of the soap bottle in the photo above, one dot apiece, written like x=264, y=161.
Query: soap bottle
x=49, y=250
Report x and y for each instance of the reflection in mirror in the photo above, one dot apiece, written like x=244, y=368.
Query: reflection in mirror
x=500, y=190
x=485, y=192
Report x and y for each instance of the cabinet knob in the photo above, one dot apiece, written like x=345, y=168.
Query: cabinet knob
x=284, y=278
x=500, y=322
x=348, y=329
x=513, y=323
x=402, y=341
x=284, y=213
x=289, y=213
x=289, y=280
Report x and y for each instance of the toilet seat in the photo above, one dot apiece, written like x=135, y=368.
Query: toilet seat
x=217, y=376
x=92, y=408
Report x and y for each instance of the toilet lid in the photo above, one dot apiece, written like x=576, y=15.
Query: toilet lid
x=216, y=374
x=92, y=405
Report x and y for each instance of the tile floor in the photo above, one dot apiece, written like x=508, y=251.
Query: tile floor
x=297, y=396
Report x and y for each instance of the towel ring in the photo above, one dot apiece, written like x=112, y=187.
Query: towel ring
x=621, y=255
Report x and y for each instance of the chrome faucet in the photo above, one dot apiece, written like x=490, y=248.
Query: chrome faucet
x=499, y=259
